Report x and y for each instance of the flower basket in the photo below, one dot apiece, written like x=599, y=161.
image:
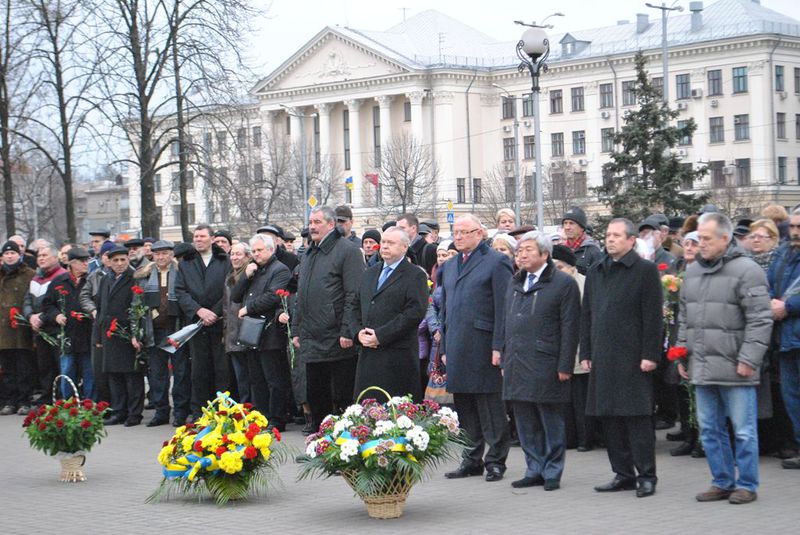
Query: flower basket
x=228, y=453
x=382, y=450
x=67, y=430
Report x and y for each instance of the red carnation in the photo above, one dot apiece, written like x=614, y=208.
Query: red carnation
x=42, y=410
x=236, y=416
x=73, y=411
x=198, y=447
x=48, y=418
x=59, y=423
x=42, y=427
x=254, y=427
x=87, y=404
x=277, y=434
x=220, y=451
x=59, y=402
x=662, y=267
x=250, y=435
x=101, y=406
x=225, y=439
x=86, y=424
x=250, y=452
x=247, y=405
x=138, y=290
x=59, y=287
x=677, y=353
x=173, y=343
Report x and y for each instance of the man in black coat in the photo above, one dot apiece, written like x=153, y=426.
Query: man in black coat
x=391, y=303
x=542, y=317
x=420, y=251
x=270, y=375
x=199, y=287
x=474, y=286
x=119, y=354
x=621, y=339
x=330, y=275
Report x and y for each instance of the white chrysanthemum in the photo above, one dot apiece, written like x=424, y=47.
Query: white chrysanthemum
x=311, y=449
x=353, y=410
x=404, y=422
x=342, y=425
x=409, y=447
x=349, y=448
x=383, y=426
x=397, y=400
x=447, y=412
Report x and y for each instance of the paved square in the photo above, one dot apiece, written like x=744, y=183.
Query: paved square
x=122, y=472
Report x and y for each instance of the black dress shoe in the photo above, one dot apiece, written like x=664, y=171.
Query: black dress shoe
x=465, y=470
x=528, y=482
x=678, y=436
x=132, y=422
x=155, y=422
x=698, y=452
x=662, y=424
x=617, y=484
x=685, y=448
x=645, y=489
x=494, y=473
x=552, y=484
x=115, y=419
x=584, y=449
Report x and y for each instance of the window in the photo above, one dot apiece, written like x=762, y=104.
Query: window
x=530, y=187
x=798, y=170
x=687, y=139
x=256, y=136
x=717, y=175
x=577, y=98
x=346, y=137
x=606, y=95
x=509, y=149
x=288, y=125
x=157, y=183
x=683, y=88
x=376, y=134
x=258, y=172
x=222, y=140
x=317, y=155
x=579, y=142
x=241, y=174
x=189, y=179
x=714, y=82
x=241, y=138
x=658, y=84
x=476, y=190
x=175, y=148
x=529, y=147
x=716, y=128
x=780, y=81
x=176, y=214
x=797, y=126
x=461, y=190
x=509, y=189
x=407, y=111
x=509, y=105
x=628, y=93
x=607, y=139
x=780, y=125
x=208, y=142
x=782, y=170
x=741, y=127
x=556, y=103
x=687, y=182
x=740, y=79
x=743, y=172
x=527, y=105
x=797, y=79
x=557, y=142
x=579, y=186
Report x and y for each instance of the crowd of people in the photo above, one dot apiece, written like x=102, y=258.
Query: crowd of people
x=548, y=341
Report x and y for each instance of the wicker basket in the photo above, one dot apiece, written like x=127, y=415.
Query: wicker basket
x=71, y=463
x=389, y=502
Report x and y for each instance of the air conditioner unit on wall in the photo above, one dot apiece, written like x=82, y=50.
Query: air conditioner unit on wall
x=697, y=93
x=782, y=94
x=681, y=105
x=555, y=165
x=583, y=162
x=506, y=128
x=526, y=123
x=728, y=169
x=714, y=103
x=682, y=152
x=604, y=114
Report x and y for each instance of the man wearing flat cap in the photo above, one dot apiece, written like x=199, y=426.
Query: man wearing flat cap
x=76, y=360
x=651, y=231
x=224, y=240
x=285, y=257
x=344, y=222
x=135, y=248
x=587, y=250
x=96, y=240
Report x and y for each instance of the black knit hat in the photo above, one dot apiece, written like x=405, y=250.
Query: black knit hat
x=10, y=246
x=575, y=214
x=565, y=254
x=372, y=233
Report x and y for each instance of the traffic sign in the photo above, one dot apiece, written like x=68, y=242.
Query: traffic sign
x=449, y=206
x=312, y=201
x=450, y=217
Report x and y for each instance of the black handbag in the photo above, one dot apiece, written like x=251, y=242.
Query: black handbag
x=251, y=330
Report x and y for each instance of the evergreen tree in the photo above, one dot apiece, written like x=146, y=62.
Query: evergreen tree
x=645, y=175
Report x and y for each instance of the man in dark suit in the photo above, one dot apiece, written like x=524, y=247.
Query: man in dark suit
x=621, y=340
x=390, y=304
x=474, y=285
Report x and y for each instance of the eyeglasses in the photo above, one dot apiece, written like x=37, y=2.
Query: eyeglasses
x=760, y=237
x=464, y=232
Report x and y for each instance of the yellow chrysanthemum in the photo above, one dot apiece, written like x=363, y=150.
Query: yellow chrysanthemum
x=179, y=431
x=237, y=438
x=212, y=441
x=187, y=442
x=231, y=462
x=258, y=418
x=262, y=441
x=265, y=452
x=165, y=455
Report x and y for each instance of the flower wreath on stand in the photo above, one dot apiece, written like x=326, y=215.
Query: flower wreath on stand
x=228, y=452
x=383, y=449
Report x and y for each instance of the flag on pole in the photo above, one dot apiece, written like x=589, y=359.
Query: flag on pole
x=348, y=182
x=373, y=178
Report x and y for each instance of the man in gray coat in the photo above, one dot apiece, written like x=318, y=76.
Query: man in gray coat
x=542, y=316
x=725, y=323
x=474, y=285
x=330, y=275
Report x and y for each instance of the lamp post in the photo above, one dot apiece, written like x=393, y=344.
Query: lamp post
x=517, y=209
x=664, y=59
x=303, y=156
x=533, y=49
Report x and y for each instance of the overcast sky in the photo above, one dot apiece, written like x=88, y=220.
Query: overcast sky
x=289, y=24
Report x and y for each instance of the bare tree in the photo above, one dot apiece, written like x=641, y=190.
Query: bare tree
x=564, y=186
x=407, y=172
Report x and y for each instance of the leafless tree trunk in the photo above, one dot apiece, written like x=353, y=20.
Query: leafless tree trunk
x=406, y=174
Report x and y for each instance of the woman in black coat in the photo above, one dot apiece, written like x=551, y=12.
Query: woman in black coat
x=270, y=376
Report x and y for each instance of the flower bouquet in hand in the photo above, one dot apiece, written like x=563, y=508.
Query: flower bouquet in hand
x=229, y=452
x=179, y=338
x=383, y=449
x=284, y=295
x=67, y=430
x=136, y=314
x=680, y=355
x=15, y=319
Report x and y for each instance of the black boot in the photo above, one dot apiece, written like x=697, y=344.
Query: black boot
x=308, y=429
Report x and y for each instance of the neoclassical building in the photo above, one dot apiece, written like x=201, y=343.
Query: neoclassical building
x=734, y=66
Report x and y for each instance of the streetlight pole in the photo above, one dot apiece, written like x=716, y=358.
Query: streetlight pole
x=517, y=208
x=533, y=50
x=664, y=53
x=304, y=157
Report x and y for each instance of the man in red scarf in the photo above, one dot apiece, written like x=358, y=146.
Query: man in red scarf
x=587, y=251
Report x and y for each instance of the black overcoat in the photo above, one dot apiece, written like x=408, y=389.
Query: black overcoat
x=258, y=295
x=115, y=297
x=621, y=325
x=542, y=332
x=394, y=312
x=199, y=286
x=78, y=331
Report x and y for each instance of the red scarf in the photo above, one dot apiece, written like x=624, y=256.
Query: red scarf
x=577, y=243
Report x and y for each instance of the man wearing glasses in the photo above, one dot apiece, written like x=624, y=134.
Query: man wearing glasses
x=474, y=286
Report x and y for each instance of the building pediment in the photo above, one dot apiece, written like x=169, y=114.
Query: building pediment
x=327, y=59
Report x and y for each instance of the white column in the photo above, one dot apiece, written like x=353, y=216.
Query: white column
x=294, y=125
x=385, y=103
x=267, y=127
x=324, y=111
x=355, y=150
x=444, y=144
x=417, y=128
